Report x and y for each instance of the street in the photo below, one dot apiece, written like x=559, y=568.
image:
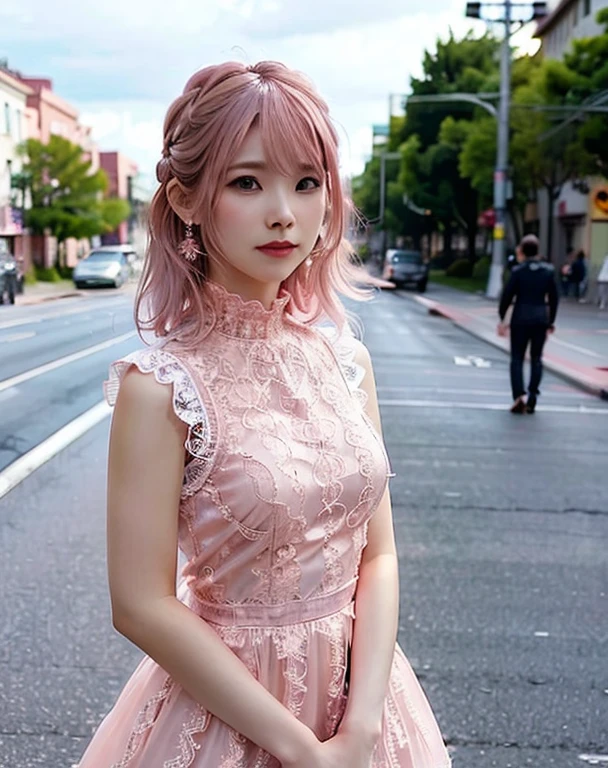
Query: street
x=501, y=523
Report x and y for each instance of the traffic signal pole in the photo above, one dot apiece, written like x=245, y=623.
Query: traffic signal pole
x=501, y=174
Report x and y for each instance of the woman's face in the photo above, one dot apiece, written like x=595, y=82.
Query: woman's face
x=267, y=223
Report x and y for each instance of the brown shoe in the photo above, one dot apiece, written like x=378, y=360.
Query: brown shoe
x=519, y=405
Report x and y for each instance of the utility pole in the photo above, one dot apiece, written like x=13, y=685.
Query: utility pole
x=501, y=173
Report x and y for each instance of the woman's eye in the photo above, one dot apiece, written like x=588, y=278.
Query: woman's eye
x=245, y=182
x=308, y=183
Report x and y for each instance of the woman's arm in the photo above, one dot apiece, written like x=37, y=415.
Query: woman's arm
x=146, y=464
x=376, y=605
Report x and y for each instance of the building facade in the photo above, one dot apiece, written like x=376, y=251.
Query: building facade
x=571, y=20
x=578, y=222
x=13, y=130
x=121, y=173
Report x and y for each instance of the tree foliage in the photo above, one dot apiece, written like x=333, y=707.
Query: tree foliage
x=448, y=149
x=67, y=198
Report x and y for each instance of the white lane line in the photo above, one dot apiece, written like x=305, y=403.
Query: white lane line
x=20, y=378
x=53, y=315
x=16, y=337
x=16, y=472
x=582, y=350
x=581, y=409
x=411, y=388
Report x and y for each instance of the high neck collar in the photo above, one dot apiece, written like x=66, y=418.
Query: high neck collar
x=244, y=319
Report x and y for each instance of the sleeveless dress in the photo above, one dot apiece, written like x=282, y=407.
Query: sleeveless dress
x=284, y=471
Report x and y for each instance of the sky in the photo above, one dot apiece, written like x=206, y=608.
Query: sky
x=122, y=62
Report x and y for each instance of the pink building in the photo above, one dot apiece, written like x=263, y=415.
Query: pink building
x=121, y=172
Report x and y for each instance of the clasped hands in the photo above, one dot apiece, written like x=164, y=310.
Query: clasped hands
x=346, y=748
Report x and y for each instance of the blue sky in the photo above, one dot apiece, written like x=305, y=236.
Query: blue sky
x=121, y=62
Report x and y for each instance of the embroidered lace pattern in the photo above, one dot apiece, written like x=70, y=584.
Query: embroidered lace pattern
x=145, y=720
x=187, y=404
x=188, y=746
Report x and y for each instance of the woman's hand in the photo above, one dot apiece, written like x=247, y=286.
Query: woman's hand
x=343, y=749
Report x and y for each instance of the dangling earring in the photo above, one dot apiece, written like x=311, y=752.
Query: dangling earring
x=189, y=247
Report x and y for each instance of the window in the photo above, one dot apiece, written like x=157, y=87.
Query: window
x=18, y=125
x=7, y=118
x=586, y=7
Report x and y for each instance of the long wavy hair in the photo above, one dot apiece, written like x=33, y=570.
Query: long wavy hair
x=203, y=131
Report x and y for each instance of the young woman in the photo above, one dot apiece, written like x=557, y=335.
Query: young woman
x=251, y=440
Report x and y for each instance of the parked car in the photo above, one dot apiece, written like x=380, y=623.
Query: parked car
x=406, y=268
x=108, y=265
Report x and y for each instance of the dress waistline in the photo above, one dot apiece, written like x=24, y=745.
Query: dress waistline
x=279, y=615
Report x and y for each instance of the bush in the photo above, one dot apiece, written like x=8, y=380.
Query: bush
x=65, y=272
x=30, y=277
x=481, y=270
x=460, y=268
x=47, y=274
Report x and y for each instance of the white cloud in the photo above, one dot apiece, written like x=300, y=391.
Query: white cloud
x=121, y=62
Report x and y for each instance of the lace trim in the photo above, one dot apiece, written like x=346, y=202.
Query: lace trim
x=198, y=723
x=187, y=404
x=344, y=346
x=145, y=720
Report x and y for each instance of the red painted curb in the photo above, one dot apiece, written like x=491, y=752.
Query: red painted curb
x=588, y=379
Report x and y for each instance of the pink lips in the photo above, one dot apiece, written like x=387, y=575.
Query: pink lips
x=279, y=249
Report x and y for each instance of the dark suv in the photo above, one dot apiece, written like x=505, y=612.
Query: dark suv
x=406, y=268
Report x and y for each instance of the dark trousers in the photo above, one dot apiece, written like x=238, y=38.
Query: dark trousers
x=521, y=335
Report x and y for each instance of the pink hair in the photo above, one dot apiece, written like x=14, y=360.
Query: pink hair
x=203, y=131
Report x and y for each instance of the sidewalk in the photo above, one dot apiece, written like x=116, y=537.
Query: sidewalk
x=41, y=291
x=577, y=351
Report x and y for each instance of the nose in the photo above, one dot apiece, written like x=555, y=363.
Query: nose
x=280, y=214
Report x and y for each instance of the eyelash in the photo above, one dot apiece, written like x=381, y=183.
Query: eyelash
x=237, y=183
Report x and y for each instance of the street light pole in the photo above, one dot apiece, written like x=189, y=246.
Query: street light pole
x=501, y=173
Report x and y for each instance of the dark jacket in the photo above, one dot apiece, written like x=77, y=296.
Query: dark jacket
x=532, y=286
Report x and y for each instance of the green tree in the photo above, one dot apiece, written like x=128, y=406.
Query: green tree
x=66, y=196
x=431, y=172
x=544, y=159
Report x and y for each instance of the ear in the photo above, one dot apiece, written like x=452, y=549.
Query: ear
x=180, y=201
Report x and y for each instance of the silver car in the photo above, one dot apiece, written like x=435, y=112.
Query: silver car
x=406, y=267
x=103, y=266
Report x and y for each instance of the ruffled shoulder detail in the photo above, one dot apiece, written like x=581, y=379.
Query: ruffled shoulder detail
x=187, y=404
x=345, y=347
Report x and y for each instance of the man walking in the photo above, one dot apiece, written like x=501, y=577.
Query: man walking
x=532, y=286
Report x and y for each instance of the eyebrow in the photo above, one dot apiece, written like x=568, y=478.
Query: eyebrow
x=259, y=165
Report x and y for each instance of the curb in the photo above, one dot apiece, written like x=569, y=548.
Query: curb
x=25, y=302
x=566, y=371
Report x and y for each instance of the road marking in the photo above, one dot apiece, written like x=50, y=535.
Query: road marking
x=580, y=409
x=480, y=392
x=576, y=348
x=20, y=378
x=16, y=472
x=53, y=315
x=17, y=337
x=478, y=362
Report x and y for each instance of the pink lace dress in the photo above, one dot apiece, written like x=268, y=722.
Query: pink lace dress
x=284, y=472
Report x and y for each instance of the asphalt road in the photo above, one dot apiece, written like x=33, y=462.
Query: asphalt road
x=501, y=520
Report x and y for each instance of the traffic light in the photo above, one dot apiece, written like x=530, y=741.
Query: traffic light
x=474, y=10
x=539, y=11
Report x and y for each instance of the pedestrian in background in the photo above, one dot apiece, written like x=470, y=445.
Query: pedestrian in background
x=242, y=438
x=602, y=285
x=565, y=273
x=533, y=289
x=578, y=275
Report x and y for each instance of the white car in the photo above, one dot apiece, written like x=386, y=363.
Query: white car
x=109, y=265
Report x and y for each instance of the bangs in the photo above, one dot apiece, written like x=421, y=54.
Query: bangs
x=293, y=137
